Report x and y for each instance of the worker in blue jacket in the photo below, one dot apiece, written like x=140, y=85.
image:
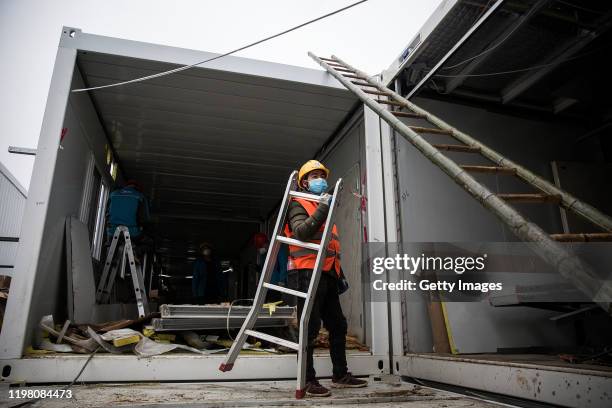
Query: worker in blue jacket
x=128, y=206
x=207, y=283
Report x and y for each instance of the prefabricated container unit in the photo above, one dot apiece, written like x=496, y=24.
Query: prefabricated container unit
x=540, y=118
x=213, y=148
x=12, y=205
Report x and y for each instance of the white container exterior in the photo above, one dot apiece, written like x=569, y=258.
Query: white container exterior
x=19, y=323
x=12, y=206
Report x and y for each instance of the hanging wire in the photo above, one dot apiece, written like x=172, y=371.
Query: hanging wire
x=523, y=69
x=183, y=68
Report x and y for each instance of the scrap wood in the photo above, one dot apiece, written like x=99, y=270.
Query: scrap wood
x=46, y=323
x=119, y=324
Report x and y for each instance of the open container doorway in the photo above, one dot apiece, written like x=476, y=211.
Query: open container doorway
x=213, y=148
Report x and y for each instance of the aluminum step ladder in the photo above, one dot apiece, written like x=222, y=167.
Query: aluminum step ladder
x=108, y=279
x=264, y=283
x=393, y=108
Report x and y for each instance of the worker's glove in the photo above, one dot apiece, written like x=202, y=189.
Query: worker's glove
x=326, y=199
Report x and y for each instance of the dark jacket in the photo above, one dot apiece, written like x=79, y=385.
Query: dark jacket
x=200, y=278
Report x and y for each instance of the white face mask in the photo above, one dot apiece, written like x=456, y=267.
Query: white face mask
x=207, y=252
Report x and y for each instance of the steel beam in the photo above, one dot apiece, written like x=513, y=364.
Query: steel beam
x=560, y=386
x=22, y=150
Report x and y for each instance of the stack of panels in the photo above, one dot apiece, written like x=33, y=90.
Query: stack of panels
x=200, y=317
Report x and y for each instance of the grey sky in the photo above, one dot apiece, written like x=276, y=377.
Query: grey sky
x=369, y=36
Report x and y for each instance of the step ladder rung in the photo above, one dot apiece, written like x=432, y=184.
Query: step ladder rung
x=376, y=92
x=272, y=339
x=329, y=59
x=286, y=290
x=363, y=84
x=457, y=148
x=407, y=114
x=302, y=244
x=393, y=103
x=488, y=169
x=436, y=131
x=530, y=197
x=583, y=237
x=343, y=69
x=306, y=196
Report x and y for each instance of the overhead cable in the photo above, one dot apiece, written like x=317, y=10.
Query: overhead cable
x=185, y=67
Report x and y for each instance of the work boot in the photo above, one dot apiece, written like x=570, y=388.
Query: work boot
x=314, y=389
x=348, y=381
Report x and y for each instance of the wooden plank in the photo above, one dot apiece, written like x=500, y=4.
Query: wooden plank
x=407, y=114
x=363, y=84
x=457, y=148
x=530, y=197
x=376, y=92
x=488, y=169
x=583, y=237
x=393, y=103
x=353, y=76
x=437, y=131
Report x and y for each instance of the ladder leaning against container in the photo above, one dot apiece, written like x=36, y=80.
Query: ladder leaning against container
x=378, y=97
x=264, y=283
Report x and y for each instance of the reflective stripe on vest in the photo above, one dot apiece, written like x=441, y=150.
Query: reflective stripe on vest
x=303, y=258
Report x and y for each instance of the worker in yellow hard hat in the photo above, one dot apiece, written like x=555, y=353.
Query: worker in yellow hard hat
x=305, y=221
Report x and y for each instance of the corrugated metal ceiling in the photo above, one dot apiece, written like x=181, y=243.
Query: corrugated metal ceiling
x=210, y=143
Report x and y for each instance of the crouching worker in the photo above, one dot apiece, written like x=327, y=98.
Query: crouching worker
x=305, y=222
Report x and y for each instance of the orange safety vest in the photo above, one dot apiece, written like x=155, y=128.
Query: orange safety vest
x=302, y=258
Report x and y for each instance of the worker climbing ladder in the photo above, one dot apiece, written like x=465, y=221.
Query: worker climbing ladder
x=264, y=283
x=391, y=106
x=106, y=282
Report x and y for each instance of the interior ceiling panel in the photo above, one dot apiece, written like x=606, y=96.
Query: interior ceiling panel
x=212, y=144
x=533, y=55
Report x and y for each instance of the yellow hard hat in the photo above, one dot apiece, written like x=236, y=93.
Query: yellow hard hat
x=309, y=166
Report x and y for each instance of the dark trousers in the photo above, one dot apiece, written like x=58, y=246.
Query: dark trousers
x=326, y=308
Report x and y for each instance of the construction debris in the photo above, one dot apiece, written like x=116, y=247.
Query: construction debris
x=352, y=343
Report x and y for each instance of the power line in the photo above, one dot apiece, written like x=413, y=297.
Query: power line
x=183, y=68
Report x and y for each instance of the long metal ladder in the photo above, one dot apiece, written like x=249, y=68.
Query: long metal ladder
x=264, y=283
x=391, y=107
x=107, y=281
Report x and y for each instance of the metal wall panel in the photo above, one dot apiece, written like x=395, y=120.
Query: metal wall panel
x=12, y=206
x=434, y=209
